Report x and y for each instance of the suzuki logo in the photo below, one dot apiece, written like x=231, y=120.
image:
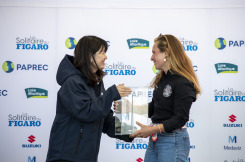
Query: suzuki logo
x=232, y=118
x=139, y=160
x=31, y=138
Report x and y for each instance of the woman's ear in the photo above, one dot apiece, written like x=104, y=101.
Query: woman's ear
x=91, y=59
x=167, y=52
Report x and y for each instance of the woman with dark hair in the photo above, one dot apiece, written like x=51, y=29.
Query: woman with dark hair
x=83, y=109
x=175, y=88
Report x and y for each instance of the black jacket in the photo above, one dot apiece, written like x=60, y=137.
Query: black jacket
x=171, y=102
x=81, y=116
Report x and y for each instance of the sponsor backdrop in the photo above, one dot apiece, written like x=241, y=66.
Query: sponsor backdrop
x=35, y=39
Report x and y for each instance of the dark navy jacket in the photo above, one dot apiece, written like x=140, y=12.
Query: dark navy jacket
x=81, y=116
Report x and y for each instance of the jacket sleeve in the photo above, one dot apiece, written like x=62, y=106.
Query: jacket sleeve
x=109, y=128
x=80, y=103
x=184, y=95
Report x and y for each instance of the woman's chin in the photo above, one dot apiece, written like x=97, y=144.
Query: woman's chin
x=102, y=68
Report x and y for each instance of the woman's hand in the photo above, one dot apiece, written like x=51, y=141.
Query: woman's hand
x=123, y=91
x=144, y=132
x=117, y=107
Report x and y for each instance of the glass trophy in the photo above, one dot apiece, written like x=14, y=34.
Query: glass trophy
x=131, y=109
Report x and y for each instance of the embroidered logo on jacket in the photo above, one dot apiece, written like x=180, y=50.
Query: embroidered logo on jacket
x=167, y=91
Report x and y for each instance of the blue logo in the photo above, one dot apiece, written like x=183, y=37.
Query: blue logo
x=229, y=95
x=150, y=94
x=23, y=120
x=3, y=92
x=32, y=67
x=190, y=124
x=119, y=69
x=31, y=43
x=188, y=159
x=195, y=68
x=220, y=43
x=232, y=139
x=8, y=66
x=32, y=159
x=189, y=45
x=236, y=43
x=137, y=144
x=70, y=43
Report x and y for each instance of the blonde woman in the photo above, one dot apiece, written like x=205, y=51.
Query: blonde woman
x=175, y=88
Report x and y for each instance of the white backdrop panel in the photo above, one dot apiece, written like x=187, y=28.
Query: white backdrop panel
x=54, y=25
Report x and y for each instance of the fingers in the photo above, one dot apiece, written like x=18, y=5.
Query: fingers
x=135, y=134
x=123, y=91
x=139, y=124
x=115, y=104
x=116, y=107
x=131, y=136
x=125, y=94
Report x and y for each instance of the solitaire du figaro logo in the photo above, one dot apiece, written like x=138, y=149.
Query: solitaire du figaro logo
x=23, y=120
x=229, y=95
x=120, y=68
x=189, y=45
x=31, y=43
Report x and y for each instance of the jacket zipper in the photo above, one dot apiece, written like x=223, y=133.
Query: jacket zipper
x=79, y=139
x=97, y=149
x=97, y=152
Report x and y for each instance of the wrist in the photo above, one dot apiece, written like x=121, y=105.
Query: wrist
x=155, y=129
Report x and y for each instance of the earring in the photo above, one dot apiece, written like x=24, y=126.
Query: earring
x=91, y=61
x=164, y=59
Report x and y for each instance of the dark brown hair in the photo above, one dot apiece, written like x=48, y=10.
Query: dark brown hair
x=86, y=47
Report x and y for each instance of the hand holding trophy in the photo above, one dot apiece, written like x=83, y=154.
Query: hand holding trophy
x=130, y=109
